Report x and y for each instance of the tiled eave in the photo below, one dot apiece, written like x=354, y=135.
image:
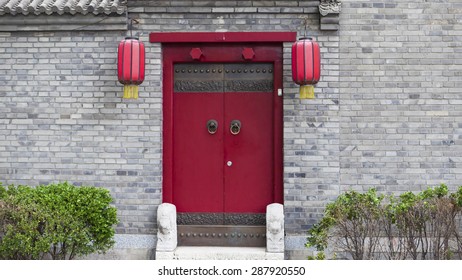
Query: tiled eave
x=48, y=7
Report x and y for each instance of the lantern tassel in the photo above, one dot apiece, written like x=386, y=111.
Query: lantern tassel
x=130, y=91
x=126, y=92
x=307, y=92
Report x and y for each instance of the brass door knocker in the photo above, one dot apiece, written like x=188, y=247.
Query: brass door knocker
x=212, y=126
x=235, y=127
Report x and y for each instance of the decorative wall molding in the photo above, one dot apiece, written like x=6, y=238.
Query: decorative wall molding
x=329, y=7
x=329, y=10
x=227, y=77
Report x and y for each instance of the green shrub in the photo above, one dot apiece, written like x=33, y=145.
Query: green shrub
x=2, y=191
x=351, y=223
x=57, y=221
x=368, y=226
x=427, y=222
x=319, y=256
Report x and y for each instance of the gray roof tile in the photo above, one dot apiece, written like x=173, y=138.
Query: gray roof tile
x=49, y=7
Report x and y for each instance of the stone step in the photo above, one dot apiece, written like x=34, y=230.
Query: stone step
x=218, y=253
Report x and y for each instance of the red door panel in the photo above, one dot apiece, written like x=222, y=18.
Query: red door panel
x=197, y=154
x=249, y=179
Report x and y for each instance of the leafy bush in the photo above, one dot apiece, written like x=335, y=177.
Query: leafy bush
x=370, y=226
x=57, y=221
x=426, y=222
x=351, y=223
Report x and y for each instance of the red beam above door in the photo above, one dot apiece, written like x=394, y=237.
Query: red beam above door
x=215, y=37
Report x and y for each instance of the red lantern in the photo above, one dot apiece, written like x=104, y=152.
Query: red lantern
x=306, y=65
x=130, y=65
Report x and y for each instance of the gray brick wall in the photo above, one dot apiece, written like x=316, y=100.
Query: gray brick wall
x=400, y=94
x=62, y=118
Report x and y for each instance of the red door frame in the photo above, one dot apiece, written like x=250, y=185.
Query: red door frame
x=187, y=38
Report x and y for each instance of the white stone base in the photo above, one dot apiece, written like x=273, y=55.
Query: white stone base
x=218, y=253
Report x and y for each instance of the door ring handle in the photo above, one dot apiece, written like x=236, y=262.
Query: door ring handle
x=212, y=126
x=235, y=127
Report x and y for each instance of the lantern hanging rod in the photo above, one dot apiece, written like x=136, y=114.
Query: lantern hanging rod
x=305, y=24
x=130, y=22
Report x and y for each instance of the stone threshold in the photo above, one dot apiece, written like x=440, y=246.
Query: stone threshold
x=218, y=253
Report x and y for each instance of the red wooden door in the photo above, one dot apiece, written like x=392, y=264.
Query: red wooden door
x=225, y=171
